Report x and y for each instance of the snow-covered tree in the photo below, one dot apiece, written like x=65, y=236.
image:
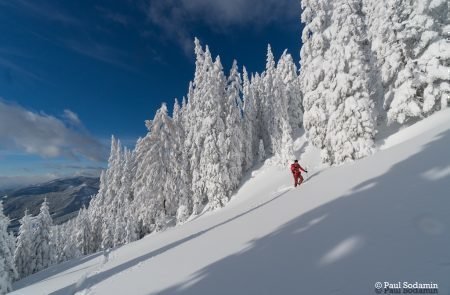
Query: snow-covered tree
x=131, y=223
x=315, y=43
x=269, y=95
x=287, y=73
x=234, y=141
x=339, y=105
x=43, y=248
x=205, y=138
x=112, y=197
x=159, y=182
x=422, y=86
x=95, y=213
x=183, y=176
x=68, y=234
x=24, y=254
x=261, y=151
x=410, y=50
x=125, y=224
x=58, y=243
x=286, y=153
x=83, y=232
x=249, y=123
x=8, y=271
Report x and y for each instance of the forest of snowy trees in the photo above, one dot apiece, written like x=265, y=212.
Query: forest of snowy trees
x=364, y=64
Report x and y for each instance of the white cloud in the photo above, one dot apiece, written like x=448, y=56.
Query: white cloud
x=72, y=117
x=45, y=135
x=175, y=17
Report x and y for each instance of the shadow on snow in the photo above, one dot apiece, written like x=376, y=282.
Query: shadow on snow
x=394, y=227
x=95, y=279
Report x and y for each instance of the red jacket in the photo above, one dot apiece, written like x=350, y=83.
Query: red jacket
x=295, y=168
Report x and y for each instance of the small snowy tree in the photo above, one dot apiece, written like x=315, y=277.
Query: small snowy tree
x=286, y=153
x=43, y=248
x=95, y=214
x=8, y=271
x=69, y=242
x=261, y=151
x=83, y=232
x=24, y=254
x=57, y=242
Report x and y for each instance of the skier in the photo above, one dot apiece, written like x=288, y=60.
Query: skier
x=295, y=169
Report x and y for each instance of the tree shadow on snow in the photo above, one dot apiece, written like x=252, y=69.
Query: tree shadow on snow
x=348, y=244
x=54, y=271
x=96, y=278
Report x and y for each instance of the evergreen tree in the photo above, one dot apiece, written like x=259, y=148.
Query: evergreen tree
x=351, y=124
x=43, y=248
x=183, y=176
x=159, y=180
x=8, y=272
x=83, y=232
x=205, y=141
x=422, y=86
x=58, y=243
x=340, y=113
x=95, y=214
x=314, y=66
x=112, y=197
x=69, y=245
x=269, y=98
x=261, y=151
x=24, y=254
x=234, y=128
x=250, y=123
x=287, y=72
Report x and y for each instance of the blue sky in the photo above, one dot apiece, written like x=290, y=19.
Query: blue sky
x=74, y=72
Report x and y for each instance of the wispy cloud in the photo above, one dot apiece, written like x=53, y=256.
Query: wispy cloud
x=176, y=17
x=45, y=135
x=42, y=10
x=72, y=117
x=11, y=67
x=98, y=51
x=113, y=16
x=78, y=35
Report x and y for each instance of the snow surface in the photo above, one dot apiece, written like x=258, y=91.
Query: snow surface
x=383, y=218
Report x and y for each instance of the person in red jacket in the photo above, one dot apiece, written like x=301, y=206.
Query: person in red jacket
x=295, y=169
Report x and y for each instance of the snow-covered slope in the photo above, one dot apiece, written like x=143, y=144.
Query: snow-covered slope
x=384, y=218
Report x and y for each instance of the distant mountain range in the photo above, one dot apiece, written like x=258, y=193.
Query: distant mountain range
x=65, y=196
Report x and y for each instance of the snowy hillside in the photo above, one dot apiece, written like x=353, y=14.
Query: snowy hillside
x=383, y=218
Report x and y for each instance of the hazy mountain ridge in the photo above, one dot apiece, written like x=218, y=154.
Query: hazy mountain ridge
x=65, y=196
